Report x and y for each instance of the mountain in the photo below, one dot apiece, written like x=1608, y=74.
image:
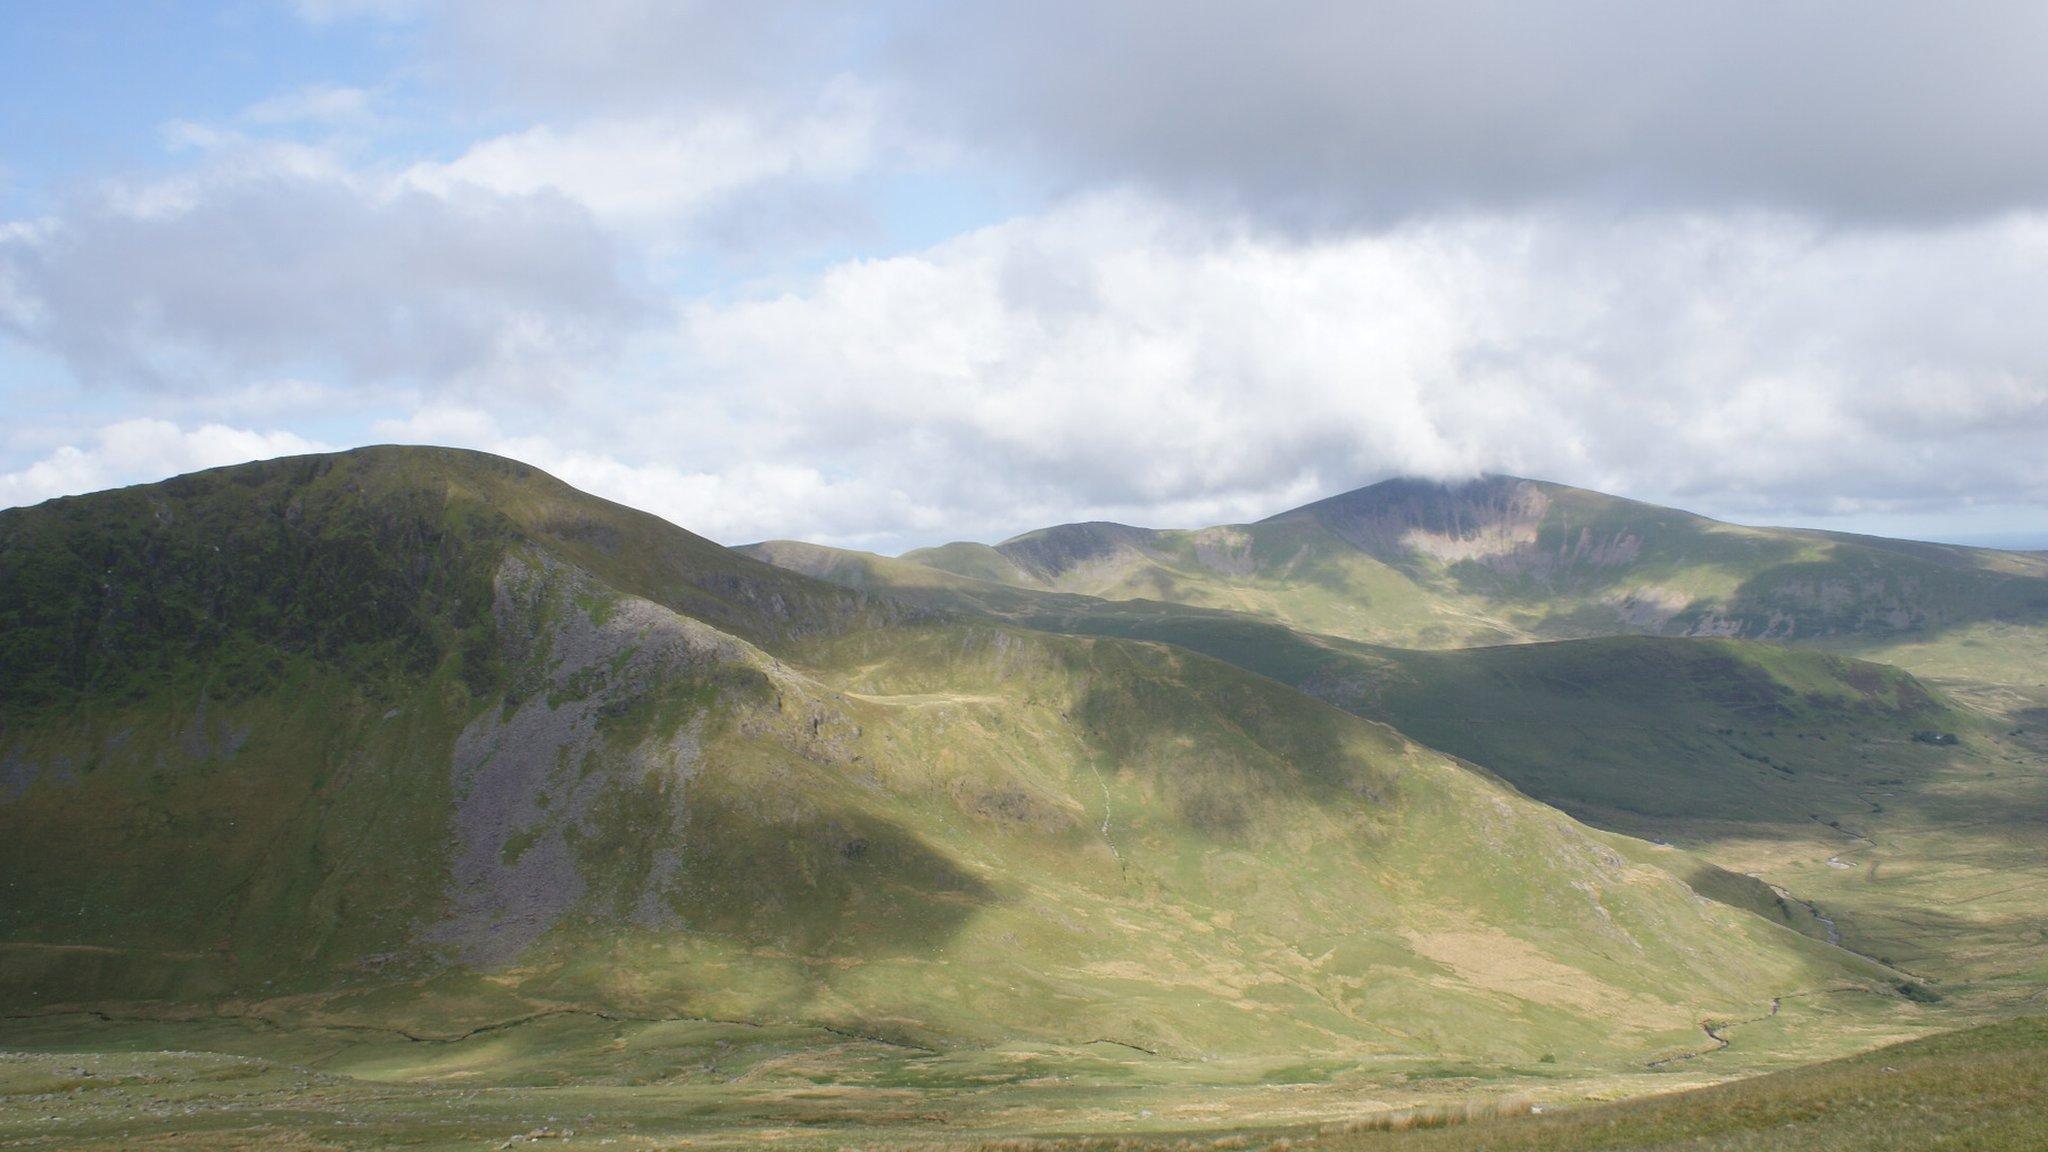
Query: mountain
x=426, y=740
x=1873, y=779
x=1426, y=564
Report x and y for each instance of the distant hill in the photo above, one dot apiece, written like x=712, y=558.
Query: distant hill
x=1882, y=779
x=1427, y=564
x=426, y=738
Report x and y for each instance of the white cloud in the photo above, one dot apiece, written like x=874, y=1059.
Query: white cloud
x=447, y=424
x=657, y=172
x=1465, y=293
x=140, y=451
x=521, y=263
x=734, y=504
x=316, y=103
x=1121, y=357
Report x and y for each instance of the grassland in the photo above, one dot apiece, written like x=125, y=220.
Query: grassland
x=1984, y=1089
x=580, y=1083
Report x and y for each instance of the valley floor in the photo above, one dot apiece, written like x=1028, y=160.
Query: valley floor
x=577, y=1081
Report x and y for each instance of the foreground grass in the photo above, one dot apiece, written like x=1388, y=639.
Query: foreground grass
x=1983, y=1088
x=574, y=1083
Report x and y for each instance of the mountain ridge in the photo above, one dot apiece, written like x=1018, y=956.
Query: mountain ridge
x=1501, y=559
x=1428, y=485
x=1666, y=748
x=527, y=751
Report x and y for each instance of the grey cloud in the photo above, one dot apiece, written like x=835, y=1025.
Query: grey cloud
x=631, y=52
x=1333, y=113
x=1339, y=111
x=282, y=271
x=783, y=219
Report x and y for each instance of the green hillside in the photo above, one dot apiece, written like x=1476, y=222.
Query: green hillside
x=1707, y=731
x=1842, y=797
x=519, y=750
x=1927, y=854
x=1912, y=826
x=1423, y=564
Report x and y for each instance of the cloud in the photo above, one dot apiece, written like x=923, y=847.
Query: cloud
x=447, y=424
x=1122, y=357
x=521, y=263
x=1331, y=112
x=736, y=505
x=276, y=258
x=742, y=500
x=1763, y=260
x=633, y=54
x=316, y=103
x=1126, y=358
x=141, y=451
x=661, y=172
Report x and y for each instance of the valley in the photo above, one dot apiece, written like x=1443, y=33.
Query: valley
x=411, y=798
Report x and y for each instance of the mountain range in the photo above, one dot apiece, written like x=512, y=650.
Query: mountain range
x=1503, y=775
x=1501, y=559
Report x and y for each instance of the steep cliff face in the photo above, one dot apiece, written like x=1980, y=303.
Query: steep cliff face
x=1495, y=521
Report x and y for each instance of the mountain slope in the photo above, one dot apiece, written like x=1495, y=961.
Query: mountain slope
x=1426, y=564
x=1903, y=821
x=525, y=751
x=379, y=559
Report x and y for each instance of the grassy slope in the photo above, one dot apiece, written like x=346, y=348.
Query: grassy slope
x=524, y=733
x=1499, y=559
x=1928, y=855
x=1802, y=767
x=1982, y=1089
x=246, y=680
x=1653, y=729
x=1794, y=765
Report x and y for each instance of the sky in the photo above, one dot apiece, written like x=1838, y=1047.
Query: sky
x=885, y=275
